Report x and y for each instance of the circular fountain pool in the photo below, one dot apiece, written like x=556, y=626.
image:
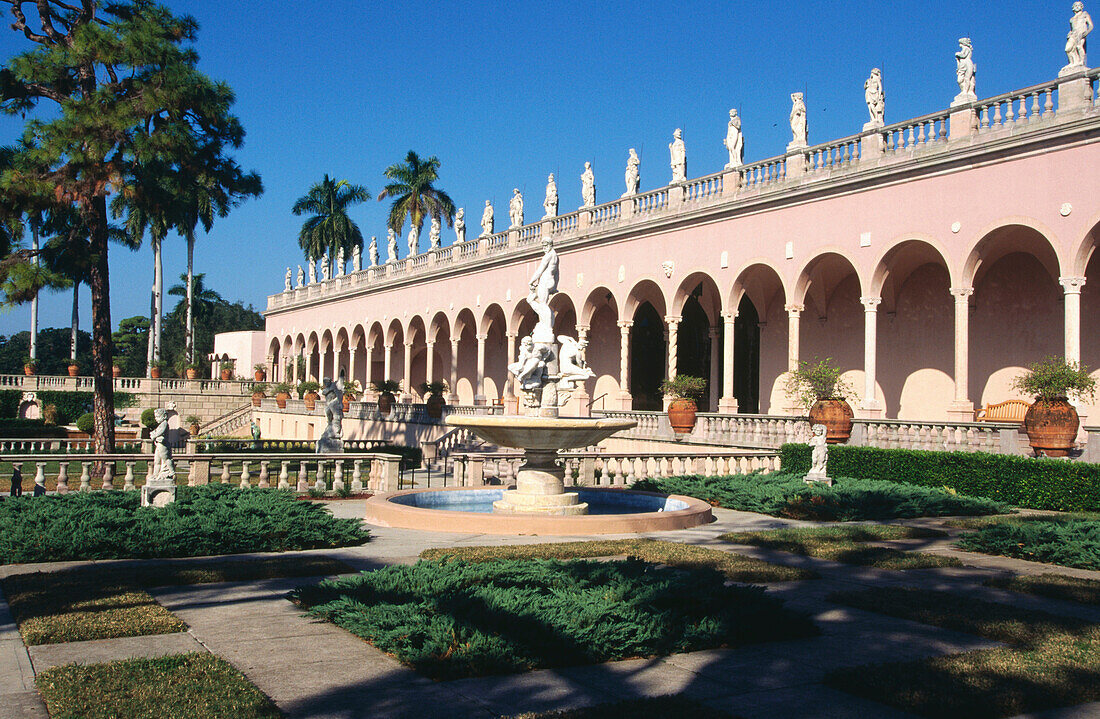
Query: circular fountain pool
x=611, y=511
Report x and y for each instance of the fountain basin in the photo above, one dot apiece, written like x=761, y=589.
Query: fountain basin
x=544, y=433
x=462, y=509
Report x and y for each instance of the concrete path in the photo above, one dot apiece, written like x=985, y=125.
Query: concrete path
x=18, y=698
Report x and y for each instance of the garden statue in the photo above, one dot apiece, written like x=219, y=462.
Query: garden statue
x=414, y=240
x=312, y=271
x=374, y=252
x=391, y=245
x=530, y=367
x=16, y=481
x=633, y=176
x=286, y=281
x=255, y=429
x=1080, y=25
x=679, y=156
x=544, y=284
x=433, y=234
x=515, y=209
x=357, y=258
x=876, y=99
x=160, y=488
x=340, y=261
x=965, y=70
x=735, y=141
x=550, y=204
x=301, y=276
x=487, y=220
x=326, y=270
x=798, y=120
x=819, y=457
x=571, y=362
x=588, y=186
x=460, y=225
x=332, y=440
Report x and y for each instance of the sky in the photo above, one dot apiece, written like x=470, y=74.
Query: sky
x=504, y=93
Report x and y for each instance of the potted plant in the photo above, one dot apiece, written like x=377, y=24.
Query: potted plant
x=191, y=370
x=156, y=369
x=226, y=370
x=351, y=393
x=193, y=422
x=1051, y=422
x=308, y=391
x=259, y=391
x=116, y=371
x=435, y=402
x=819, y=388
x=74, y=368
x=386, y=390
x=259, y=372
x=282, y=394
x=30, y=366
x=684, y=390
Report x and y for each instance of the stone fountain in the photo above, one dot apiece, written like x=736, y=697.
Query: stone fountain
x=548, y=371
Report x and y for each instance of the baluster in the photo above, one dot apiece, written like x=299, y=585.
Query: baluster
x=225, y=471
x=319, y=484
x=943, y=128
x=40, y=479
x=357, y=476
x=128, y=480
x=997, y=122
x=63, y=477
x=602, y=478
x=629, y=477
x=920, y=135
x=1048, y=104
x=264, y=482
x=245, y=484
x=108, y=474
x=1035, y=112
x=303, y=477
x=85, y=480
x=338, y=476
x=1010, y=116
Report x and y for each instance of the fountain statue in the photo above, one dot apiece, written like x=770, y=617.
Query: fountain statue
x=549, y=368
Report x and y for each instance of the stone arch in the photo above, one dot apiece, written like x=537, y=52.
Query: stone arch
x=494, y=329
x=598, y=298
x=522, y=319
x=439, y=333
x=698, y=303
x=313, y=357
x=376, y=343
x=465, y=334
x=645, y=307
x=395, y=339
x=565, y=314
x=644, y=290
x=274, y=352
x=1086, y=248
x=416, y=342
x=600, y=314
x=1013, y=235
x=759, y=296
x=328, y=349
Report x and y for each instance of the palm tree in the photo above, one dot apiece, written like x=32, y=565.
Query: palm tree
x=413, y=193
x=329, y=228
x=203, y=300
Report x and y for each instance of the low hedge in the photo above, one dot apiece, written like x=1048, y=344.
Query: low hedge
x=21, y=428
x=1053, y=484
x=1075, y=543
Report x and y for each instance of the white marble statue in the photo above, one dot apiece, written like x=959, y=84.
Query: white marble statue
x=325, y=268
x=460, y=225
x=286, y=281
x=543, y=285
x=515, y=209
x=331, y=440
x=312, y=271
x=571, y=365
x=1080, y=25
x=550, y=204
x=588, y=186
x=434, y=237
x=391, y=245
x=164, y=470
x=373, y=251
x=735, y=141
x=633, y=175
x=875, y=98
x=301, y=276
x=414, y=240
x=357, y=258
x=819, y=456
x=965, y=70
x=798, y=120
x=341, y=261
x=678, y=154
x=530, y=367
x=487, y=220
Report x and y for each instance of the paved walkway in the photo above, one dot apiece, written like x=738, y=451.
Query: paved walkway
x=314, y=669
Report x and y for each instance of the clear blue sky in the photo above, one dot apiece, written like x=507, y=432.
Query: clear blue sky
x=505, y=92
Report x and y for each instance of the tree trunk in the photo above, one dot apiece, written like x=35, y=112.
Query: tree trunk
x=103, y=398
x=158, y=296
x=190, y=339
x=34, y=302
x=76, y=322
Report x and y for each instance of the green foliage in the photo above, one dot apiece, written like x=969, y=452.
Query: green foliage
x=787, y=495
x=386, y=386
x=1054, y=378
x=817, y=380
x=130, y=341
x=284, y=388
x=22, y=428
x=684, y=386
x=53, y=351
x=414, y=194
x=209, y=520
x=10, y=399
x=70, y=405
x=149, y=418
x=192, y=419
x=437, y=387
x=451, y=618
x=329, y=226
x=86, y=423
x=352, y=389
x=1018, y=481
x=261, y=388
x=308, y=386
x=1075, y=543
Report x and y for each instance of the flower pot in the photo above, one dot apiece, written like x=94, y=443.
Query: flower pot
x=836, y=415
x=1051, y=427
x=116, y=371
x=310, y=399
x=257, y=397
x=347, y=403
x=194, y=430
x=280, y=400
x=74, y=370
x=192, y=373
x=227, y=374
x=259, y=375
x=28, y=370
x=434, y=405
x=155, y=372
x=681, y=415
x=385, y=403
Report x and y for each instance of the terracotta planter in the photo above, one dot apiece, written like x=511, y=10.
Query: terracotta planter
x=310, y=398
x=194, y=430
x=280, y=400
x=681, y=415
x=257, y=397
x=259, y=375
x=836, y=415
x=434, y=405
x=227, y=374
x=1051, y=427
x=155, y=373
x=347, y=404
x=74, y=370
x=28, y=370
x=192, y=373
x=385, y=403
x=116, y=371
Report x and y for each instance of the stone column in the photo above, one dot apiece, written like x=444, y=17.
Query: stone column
x=429, y=362
x=728, y=403
x=962, y=409
x=368, y=361
x=387, y=361
x=580, y=399
x=406, y=372
x=1072, y=288
x=673, y=323
x=294, y=368
x=625, y=399
x=870, y=406
x=793, y=313
x=479, y=389
x=715, y=360
x=511, y=404
x=352, y=351
x=453, y=399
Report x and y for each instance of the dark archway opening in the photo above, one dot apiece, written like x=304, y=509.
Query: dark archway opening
x=647, y=358
x=693, y=346
x=746, y=358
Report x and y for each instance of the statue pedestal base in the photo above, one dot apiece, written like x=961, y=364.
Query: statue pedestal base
x=818, y=477
x=540, y=488
x=157, y=495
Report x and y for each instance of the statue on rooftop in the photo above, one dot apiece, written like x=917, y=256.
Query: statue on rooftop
x=374, y=251
x=515, y=209
x=312, y=271
x=414, y=240
x=325, y=271
x=678, y=153
x=301, y=276
x=341, y=261
x=357, y=258
x=391, y=245
x=588, y=186
x=734, y=142
x=633, y=176
x=1080, y=25
x=550, y=204
x=487, y=220
x=460, y=225
x=965, y=71
x=433, y=234
x=286, y=281
x=798, y=120
x=876, y=99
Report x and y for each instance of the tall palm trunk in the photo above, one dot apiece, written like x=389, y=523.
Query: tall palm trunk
x=76, y=322
x=34, y=302
x=190, y=332
x=152, y=313
x=158, y=296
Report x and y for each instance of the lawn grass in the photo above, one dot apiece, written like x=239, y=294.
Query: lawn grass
x=1067, y=542
x=180, y=686
x=845, y=543
x=449, y=618
x=992, y=519
x=1053, y=661
x=737, y=567
x=1055, y=586
x=675, y=706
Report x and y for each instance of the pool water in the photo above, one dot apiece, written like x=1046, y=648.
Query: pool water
x=603, y=501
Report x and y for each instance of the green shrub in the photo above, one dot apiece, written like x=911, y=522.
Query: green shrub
x=1075, y=543
x=451, y=618
x=9, y=402
x=787, y=495
x=214, y=519
x=1019, y=481
x=149, y=418
x=21, y=428
x=86, y=423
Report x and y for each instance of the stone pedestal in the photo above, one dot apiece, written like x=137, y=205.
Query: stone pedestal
x=1074, y=89
x=156, y=494
x=963, y=119
x=818, y=477
x=540, y=488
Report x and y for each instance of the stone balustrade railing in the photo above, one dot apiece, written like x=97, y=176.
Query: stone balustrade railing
x=364, y=471
x=993, y=437
x=408, y=412
x=59, y=444
x=224, y=446
x=143, y=385
x=614, y=469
